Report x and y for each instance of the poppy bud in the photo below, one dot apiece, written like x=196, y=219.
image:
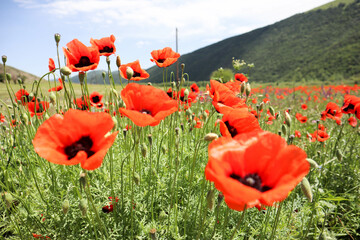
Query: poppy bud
x=57, y=37
x=24, y=117
x=182, y=80
x=287, y=119
x=125, y=132
x=82, y=180
x=8, y=76
x=272, y=110
x=52, y=98
x=339, y=154
x=65, y=206
x=81, y=77
x=186, y=94
x=8, y=200
x=65, y=70
x=261, y=106
x=210, y=137
x=177, y=130
x=204, y=114
x=136, y=178
x=242, y=87
x=150, y=139
x=143, y=149
x=313, y=164
x=284, y=129
x=220, y=198
x=248, y=89
x=129, y=73
x=306, y=189
x=83, y=206
x=103, y=74
x=153, y=233
x=149, y=84
x=182, y=127
x=277, y=116
x=188, y=112
x=162, y=215
x=20, y=81
x=118, y=61
x=182, y=66
x=107, y=60
x=4, y=58
x=210, y=199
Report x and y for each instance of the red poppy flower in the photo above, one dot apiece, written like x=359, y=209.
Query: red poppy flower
x=266, y=100
x=255, y=168
x=51, y=65
x=164, y=57
x=80, y=57
x=304, y=106
x=146, y=105
x=40, y=108
x=171, y=93
x=234, y=86
x=352, y=121
x=297, y=134
x=236, y=121
x=95, y=99
x=57, y=88
x=23, y=96
x=350, y=102
x=82, y=103
x=105, y=45
x=39, y=236
x=139, y=73
x=320, y=136
x=240, y=77
x=301, y=118
x=77, y=137
x=332, y=110
x=2, y=118
x=194, y=88
x=191, y=97
x=357, y=110
x=223, y=97
x=321, y=127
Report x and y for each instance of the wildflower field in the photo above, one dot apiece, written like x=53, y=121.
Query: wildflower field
x=175, y=161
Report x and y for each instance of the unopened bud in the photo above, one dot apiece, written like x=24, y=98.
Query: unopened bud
x=57, y=37
x=103, y=74
x=182, y=66
x=136, y=178
x=261, y=106
x=150, y=139
x=129, y=73
x=143, y=149
x=20, y=81
x=186, y=94
x=24, y=117
x=248, y=89
x=272, y=111
x=52, y=98
x=153, y=233
x=173, y=85
x=8, y=200
x=65, y=206
x=287, y=119
x=4, y=58
x=65, y=70
x=82, y=180
x=306, y=189
x=210, y=199
x=284, y=129
x=210, y=137
x=83, y=206
x=242, y=87
x=313, y=164
x=339, y=154
x=118, y=61
x=149, y=84
x=107, y=60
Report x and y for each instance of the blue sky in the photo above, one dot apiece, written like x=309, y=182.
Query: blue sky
x=140, y=26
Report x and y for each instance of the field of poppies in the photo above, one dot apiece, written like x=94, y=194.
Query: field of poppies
x=134, y=161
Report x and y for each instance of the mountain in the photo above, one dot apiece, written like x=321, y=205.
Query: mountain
x=16, y=73
x=322, y=44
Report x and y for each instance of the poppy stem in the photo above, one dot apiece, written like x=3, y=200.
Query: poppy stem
x=239, y=223
x=276, y=221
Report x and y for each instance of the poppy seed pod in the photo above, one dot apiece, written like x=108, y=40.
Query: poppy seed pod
x=83, y=206
x=4, y=58
x=118, y=61
x=66, y=71
x=287, y=119
x=306, y=189
x=65, y=206
x=129, y=73
x=57, y=37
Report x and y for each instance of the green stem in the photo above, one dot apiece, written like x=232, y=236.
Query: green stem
x=239, y=223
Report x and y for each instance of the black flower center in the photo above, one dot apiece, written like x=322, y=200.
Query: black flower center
x=145, y=111
x=231, y=129
x=83, y=62
x=106, y=49
x=136, y=74
x=349, y=107
x=161, y=60
x=252, y=180
x=95, y=99
x=170, y=93
x=84, y=144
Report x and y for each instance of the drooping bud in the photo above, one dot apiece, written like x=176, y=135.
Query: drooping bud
x=143, y=149
x=272, y=111
x=118, y=61
x=306, y=189
x=65, y=206
x=313, y=164
x=65, y=70
x=4, y=58
x=210, y=199
x=129, y=73
x=57, y=37
x=83, y=206
x=287, y=119
x=182, y=66
x=210, y=137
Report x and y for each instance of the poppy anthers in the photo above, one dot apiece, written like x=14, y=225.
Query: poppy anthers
x=255, y=168
x=77, y=137
x=105, y=45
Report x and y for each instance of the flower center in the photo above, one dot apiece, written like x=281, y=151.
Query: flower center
x=145, y=111
x=83, y=62
x=231, y=129
x=252, y=180
x=106, y=49
x=136, y=74
x=161, y=60
x=95, y=99
x=84, y=144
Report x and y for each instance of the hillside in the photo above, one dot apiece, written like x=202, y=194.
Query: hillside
x=16, y=73
x=320, y=44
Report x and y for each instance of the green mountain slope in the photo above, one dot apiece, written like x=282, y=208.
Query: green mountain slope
x=318, y=44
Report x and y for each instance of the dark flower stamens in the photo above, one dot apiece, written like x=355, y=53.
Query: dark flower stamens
x=252, y=180
x=231, y=129
x=84, y=62
x=106, y=50
x=136, y=74
x=161, y=60
x=84, y=144
x=145, y=111
x=95, y=99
